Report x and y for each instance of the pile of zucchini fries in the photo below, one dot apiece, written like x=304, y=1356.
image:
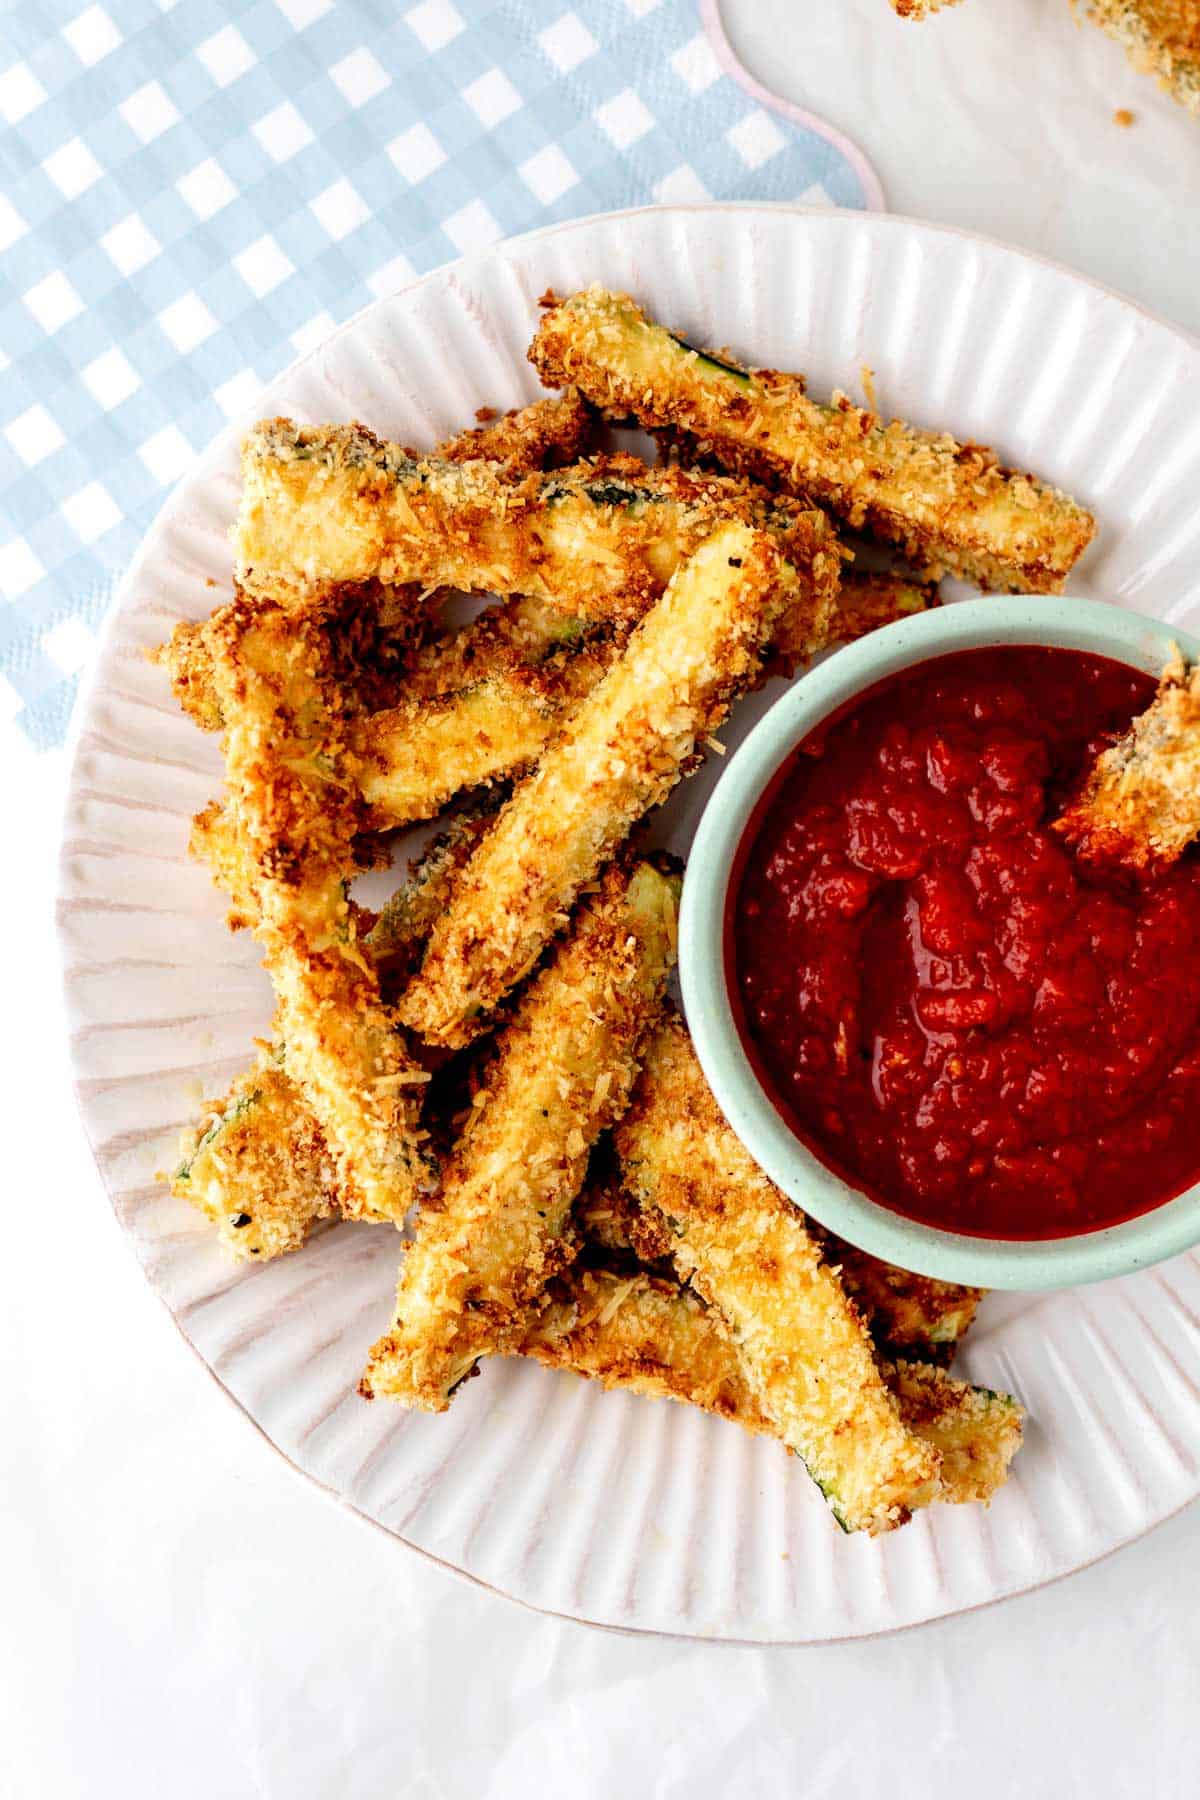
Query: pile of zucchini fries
x=493, y=1057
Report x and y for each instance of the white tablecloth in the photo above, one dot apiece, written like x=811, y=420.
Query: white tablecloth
x=182, y=1616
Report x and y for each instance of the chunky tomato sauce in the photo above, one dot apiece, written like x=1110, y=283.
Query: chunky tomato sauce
x=941, y=1001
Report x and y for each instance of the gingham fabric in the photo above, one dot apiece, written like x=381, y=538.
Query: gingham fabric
x=191, y=193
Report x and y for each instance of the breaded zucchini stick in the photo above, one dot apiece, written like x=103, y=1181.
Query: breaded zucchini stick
x=359, y=619
x=214, y=840
x=515, y=634
x=1139, y=807
x=869, y=602
x=256, y=1163
x=616, y=1226
x=528, y=437
x=395, y=941
x=500, y=1227
x=908, y=1315
x=746, y=1250
x=295, y=827
x=188, y=662
x=410, y=761
x=1161, y=37
x=637, y=1331
x=621, y=752
x=323, y=505
x=950, y=506
x=975, y=1430
x=545, y=435
x=640, y=1331
x=407, y=763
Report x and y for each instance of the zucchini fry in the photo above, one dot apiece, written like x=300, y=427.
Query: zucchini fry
x=637, y=1331
x=410, y=761
x=546, y=435
x=396, y=939
x=949, y=506
x=869, y=602
x=295, y=826
x=621, y=752
x=188, y=661
x=324, y=505
x=907, y=1315
x=500, y=1226
x=1161, y=38
x=1139, y=807
x=747, y=1251
x=214, y=840
x=257, y=1163
x=975, y=1430
x=615, y=1227
x=530, y=437
x=517, y=634
x=407, y=763
x=370, y=625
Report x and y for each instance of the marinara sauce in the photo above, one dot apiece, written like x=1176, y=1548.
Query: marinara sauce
x=948, y=1007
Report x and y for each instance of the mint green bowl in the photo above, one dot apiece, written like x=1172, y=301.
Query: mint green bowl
x=977, y=1261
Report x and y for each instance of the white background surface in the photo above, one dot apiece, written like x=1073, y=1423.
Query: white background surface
x=183, y=1616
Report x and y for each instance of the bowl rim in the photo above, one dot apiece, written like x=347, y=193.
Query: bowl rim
x=1053, y=621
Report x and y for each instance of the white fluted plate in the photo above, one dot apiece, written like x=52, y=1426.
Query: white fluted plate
x=631, y=1512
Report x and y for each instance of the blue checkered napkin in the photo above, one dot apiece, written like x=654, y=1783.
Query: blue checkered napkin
x=194, y=192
